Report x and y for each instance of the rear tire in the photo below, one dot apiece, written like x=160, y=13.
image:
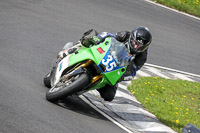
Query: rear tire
x=60, y=92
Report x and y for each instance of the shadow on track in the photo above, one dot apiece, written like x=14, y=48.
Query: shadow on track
x=76, y=104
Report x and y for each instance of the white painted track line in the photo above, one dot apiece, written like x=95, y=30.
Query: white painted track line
x=149, y=1
x=143, y=74
x=155, y=71
x=105, y=115
x=172, y=70
x=122, y=86
x=181, y=76
x=156, y=128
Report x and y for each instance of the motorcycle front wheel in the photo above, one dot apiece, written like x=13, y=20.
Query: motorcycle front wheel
x=67, y=88
x=47, y=80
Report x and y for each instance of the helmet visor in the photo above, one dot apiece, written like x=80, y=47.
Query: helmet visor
x=136, y=45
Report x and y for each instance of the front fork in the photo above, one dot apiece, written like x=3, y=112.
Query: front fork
x=81, y=69
x=94, y=79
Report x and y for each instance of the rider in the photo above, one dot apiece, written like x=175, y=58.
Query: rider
x=136, y=42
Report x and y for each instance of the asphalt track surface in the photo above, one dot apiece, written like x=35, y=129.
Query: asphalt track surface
x=33, y=31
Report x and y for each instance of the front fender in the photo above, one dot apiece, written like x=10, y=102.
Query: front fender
x=62, y=65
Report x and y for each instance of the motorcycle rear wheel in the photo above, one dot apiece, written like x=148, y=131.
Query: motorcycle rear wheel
x=71, y=86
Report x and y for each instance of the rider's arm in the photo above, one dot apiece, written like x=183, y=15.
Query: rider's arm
x=102, y=36
x=131, y=69
x=120, y=36
x=140, y=59
x=135, y=65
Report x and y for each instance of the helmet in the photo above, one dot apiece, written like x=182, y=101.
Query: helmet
x=139, y=40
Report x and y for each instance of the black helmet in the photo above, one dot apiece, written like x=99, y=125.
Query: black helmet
x=139, y=40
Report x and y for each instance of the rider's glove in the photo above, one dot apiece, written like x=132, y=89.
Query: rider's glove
x=87, y=38
x=102, y=36
x=129, y=74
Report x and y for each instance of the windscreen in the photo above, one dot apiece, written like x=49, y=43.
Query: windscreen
x=119, y=53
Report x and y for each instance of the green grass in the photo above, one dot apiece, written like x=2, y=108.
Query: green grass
x=174, y=102
x=188, y=6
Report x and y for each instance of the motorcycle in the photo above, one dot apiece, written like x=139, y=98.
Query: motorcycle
x=84, y=69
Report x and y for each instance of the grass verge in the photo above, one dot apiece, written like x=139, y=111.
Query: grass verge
x=189, y=6
x=174, y=102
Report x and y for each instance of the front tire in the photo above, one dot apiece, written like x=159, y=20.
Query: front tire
x=47, y=80
x=60, y=92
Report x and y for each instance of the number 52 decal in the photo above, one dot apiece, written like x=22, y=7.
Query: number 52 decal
x=109, y=63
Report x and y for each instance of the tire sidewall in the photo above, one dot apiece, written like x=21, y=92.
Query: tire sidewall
x=75, y=86
x=47, y=80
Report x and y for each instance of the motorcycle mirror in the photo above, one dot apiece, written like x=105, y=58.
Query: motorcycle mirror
x=68, y=45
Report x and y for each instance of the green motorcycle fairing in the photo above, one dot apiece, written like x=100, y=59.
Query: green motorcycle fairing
x=110, y=56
